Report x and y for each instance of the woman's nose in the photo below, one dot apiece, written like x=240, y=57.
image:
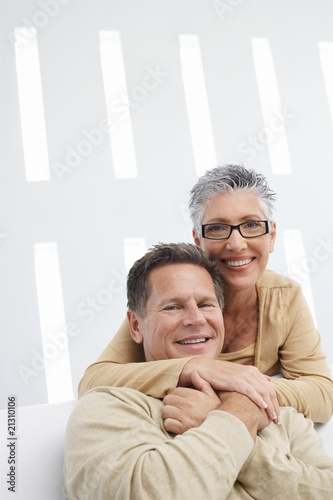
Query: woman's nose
x=236, y=241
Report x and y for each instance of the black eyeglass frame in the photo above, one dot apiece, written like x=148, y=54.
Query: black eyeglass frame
x=238, y=227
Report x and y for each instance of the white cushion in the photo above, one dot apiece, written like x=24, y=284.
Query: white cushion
x=39, y=451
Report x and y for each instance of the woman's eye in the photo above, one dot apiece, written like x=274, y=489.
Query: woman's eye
x=251, y=224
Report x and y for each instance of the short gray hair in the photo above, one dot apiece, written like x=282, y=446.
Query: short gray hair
x=138, y=286
x=225, y=179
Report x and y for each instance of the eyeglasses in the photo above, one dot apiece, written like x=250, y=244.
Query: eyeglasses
x=221, y=231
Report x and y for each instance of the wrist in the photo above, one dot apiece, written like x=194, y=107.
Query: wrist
x=193, y=364
x=243, y=409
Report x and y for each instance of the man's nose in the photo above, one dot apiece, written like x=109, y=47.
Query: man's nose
x=193, y=316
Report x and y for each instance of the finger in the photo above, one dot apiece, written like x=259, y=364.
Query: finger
x=197, y=381
x=174, y=420
x=270, y=398
x=174, y=426
x=171, y=412
x=273, y=409
x=201, y=384
x=178, y=398
x=267, y=400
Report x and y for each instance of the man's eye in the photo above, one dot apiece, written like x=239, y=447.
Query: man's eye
x=205, y=305
x=171, y=308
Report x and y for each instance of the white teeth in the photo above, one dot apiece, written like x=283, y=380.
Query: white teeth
x=238, y=263
x=194, y=341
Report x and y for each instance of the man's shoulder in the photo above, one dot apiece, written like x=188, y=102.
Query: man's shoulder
x=271, y=279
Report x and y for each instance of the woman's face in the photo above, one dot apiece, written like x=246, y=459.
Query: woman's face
x=241, y=260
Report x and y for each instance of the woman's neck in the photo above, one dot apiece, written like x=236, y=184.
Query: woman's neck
x=240, y=320
x=238, y=300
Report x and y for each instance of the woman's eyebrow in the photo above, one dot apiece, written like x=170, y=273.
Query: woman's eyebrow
x=242, y=219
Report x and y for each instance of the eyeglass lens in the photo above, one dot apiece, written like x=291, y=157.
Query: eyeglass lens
x=249, y=229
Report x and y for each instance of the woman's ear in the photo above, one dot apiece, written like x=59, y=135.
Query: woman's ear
x=196, y=237
x=272, y=234
x=134, y=325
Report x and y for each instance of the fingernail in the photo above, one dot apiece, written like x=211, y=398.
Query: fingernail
x=264, y=405
x=279, y=421
x=274, y=416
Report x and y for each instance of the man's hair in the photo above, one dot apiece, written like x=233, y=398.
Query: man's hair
x=226, y=179
x=138, y=285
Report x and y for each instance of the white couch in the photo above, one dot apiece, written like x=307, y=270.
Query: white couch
x=39, y=450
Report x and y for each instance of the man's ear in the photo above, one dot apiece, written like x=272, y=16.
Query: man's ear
x=134, y=325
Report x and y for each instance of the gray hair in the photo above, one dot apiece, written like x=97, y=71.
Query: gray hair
x=138, y=286
x=226, y=179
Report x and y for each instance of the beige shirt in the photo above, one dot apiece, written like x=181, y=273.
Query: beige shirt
x=117, y=449
x=287, y=342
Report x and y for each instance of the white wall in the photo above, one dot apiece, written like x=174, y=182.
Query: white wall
x=88, y=213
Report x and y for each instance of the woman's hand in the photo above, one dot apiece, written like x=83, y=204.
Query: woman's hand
x=185, y=408
x=230, y=376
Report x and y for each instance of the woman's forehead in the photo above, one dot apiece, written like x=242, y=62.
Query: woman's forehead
x=240, y=204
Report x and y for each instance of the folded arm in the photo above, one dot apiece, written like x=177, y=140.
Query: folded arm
x=131, y=456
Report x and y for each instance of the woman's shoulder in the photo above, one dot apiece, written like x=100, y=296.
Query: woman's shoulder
x=271, y=279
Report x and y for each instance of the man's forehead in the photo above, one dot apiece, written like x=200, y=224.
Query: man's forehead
x=180, y=278
x=176, y=268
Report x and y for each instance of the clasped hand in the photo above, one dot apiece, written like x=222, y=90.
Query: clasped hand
x=186, y=408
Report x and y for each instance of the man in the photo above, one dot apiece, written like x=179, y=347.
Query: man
x=119, y=447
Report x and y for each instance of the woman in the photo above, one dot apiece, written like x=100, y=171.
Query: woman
x=267, y=321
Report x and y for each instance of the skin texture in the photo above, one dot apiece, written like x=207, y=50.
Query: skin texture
x=182, y=307
x=234, y=208
x=226, y=376
x=241, y=261
x=186, y=408
x=121, y=362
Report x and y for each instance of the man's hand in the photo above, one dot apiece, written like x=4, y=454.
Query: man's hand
x=245, y=410
x=185, y=408
x=229, y=376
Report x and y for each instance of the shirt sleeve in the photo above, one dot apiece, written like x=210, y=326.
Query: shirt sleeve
x=288, y=461
x=122, y=364
x=290, y=339
x=116, y=449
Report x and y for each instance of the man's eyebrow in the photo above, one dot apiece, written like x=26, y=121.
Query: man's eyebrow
x=176, y=299
x=173, y=299
x=206, y=298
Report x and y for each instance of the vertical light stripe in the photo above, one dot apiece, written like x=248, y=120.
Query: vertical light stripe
x=134, y=248
x=52, y=322
x=30, y=94
x=274, y=134
x=197, y=103
x=299, y=266
x=326, y=59
x=117, y=105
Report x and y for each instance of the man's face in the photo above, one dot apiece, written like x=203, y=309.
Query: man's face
x=183, y=317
